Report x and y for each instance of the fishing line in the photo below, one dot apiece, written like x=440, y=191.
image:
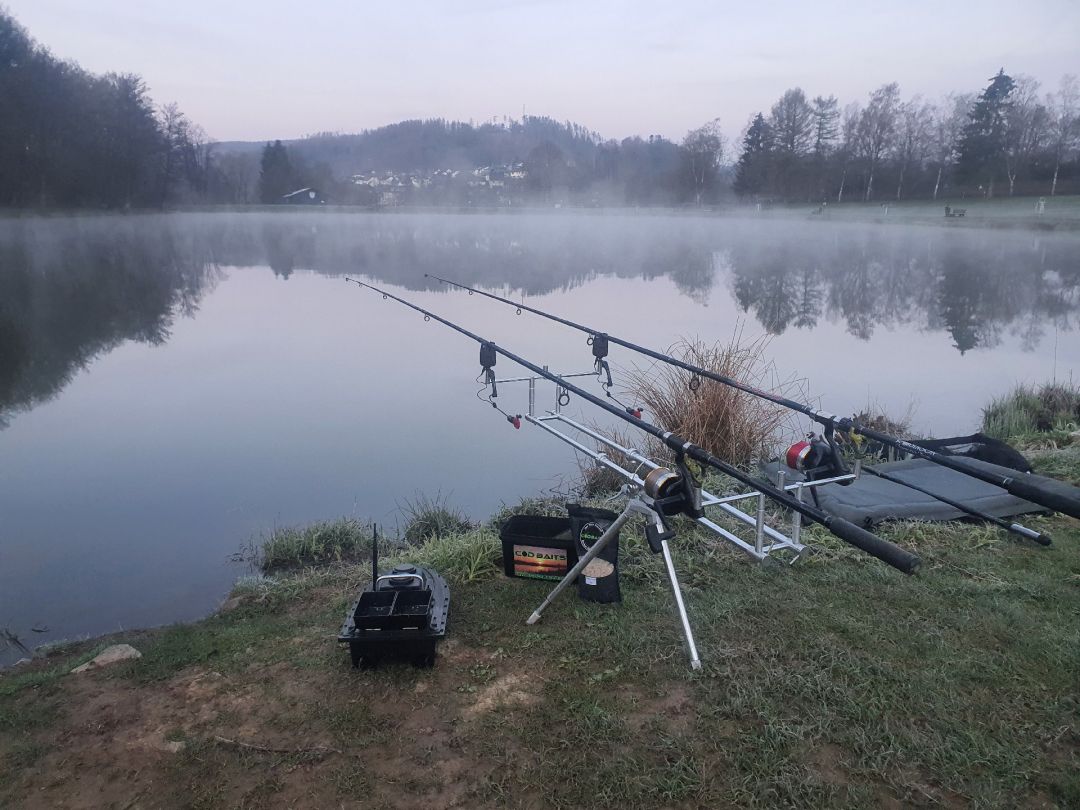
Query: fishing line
x=1052, y=494
x=845, y=530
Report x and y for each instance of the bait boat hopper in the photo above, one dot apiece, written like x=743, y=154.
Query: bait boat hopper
x=402, y=615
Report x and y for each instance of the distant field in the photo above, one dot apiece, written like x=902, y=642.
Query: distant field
x=1060, y=212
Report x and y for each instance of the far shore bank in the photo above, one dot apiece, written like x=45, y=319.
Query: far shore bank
x=1059, y=214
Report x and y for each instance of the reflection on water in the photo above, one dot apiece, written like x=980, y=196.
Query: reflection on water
x=71, y=289
x=171, y=385
x=972, y=285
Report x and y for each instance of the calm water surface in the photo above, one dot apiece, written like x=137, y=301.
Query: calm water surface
x=171, y=386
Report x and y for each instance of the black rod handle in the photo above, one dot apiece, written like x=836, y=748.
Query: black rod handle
x=1045, y=496
x=888, y=553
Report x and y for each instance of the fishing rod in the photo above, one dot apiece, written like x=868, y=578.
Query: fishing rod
x=1004, y=525
x=1066, y=502
x=845, y=530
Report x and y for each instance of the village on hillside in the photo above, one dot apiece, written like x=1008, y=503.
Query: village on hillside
x=488, y=185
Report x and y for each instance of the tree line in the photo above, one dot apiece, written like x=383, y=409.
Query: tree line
x=69, y=138
x=1005, y=139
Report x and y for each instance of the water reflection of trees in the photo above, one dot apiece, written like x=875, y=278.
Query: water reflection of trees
x=975, y=285
x=71, y=289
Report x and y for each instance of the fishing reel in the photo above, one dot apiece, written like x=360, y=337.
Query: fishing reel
x=816, y=456
x=672, y=493
x=599, y=343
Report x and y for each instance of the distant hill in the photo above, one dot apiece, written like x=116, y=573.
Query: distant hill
x=435, y=144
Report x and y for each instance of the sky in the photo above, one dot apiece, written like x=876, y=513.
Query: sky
x=276, y=69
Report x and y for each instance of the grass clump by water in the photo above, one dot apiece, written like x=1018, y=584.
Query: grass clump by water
x=736, y=426
x=463, y=557
x=431, y=516
x=1028, y=410
x=321, y=542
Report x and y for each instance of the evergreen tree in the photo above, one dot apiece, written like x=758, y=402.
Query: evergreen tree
x=826, y=124
x=752, y=169
x=276, y=177
x=984, y=138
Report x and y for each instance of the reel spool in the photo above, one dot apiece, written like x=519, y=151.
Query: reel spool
x=814, y=457
x=674, y=493
x=661, y=483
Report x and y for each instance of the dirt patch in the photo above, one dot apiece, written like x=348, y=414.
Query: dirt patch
x=827, y=763
x=316, y=737
x=671, y=710
x=507, y=691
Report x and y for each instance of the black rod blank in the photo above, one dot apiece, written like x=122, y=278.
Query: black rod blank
x=1060, y=501
x=1014, y=528
x=845, y=530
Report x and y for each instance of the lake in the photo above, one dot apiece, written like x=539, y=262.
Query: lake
x=173, y=385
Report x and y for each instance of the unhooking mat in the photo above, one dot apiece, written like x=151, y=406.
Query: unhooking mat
x=870, y=500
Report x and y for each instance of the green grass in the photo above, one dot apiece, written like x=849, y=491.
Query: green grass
x=837, y=682
x=322, y=542
x=1027, y=411
x=427, y=517
x=1062, y=464
x=1062, y=212
x=464, y=557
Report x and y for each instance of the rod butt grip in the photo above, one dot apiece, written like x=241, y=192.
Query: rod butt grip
x=1068, y=503
x=888, y=553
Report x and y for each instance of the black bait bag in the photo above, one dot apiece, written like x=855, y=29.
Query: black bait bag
x=599, y=581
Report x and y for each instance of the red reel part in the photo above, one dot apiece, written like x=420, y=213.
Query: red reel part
x=797, y=454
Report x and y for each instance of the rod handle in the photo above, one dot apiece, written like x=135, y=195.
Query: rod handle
x=1058, y=501
x=888, y=553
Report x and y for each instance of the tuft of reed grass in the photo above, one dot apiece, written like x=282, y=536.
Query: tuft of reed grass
x=729, y=423
x=462, y=557
x=429, y=516
x=321, y=542
x=595, y=479
x=1027, y=410
x=875, y=418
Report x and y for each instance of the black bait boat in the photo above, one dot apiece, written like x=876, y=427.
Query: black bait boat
x=402, y=614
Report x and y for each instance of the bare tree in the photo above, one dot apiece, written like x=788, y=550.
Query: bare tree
x=876, y=130
x=949, y=119
x=1027, y=127
x=849, y=144
x=915, y=119
x=1064, y=110
x=704, y=150
x=174, y=129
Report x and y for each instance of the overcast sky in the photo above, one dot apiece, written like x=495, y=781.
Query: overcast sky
x=277, y=69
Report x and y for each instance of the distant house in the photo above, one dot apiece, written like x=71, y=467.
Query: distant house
x=303, y=196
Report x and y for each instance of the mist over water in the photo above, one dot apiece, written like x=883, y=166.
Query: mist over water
x=172, y=385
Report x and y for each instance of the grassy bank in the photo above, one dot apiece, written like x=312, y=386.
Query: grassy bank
x=1060, y=214
x=837, y=682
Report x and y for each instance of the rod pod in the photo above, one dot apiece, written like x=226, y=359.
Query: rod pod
x=1066, y=500
x=845, y=530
